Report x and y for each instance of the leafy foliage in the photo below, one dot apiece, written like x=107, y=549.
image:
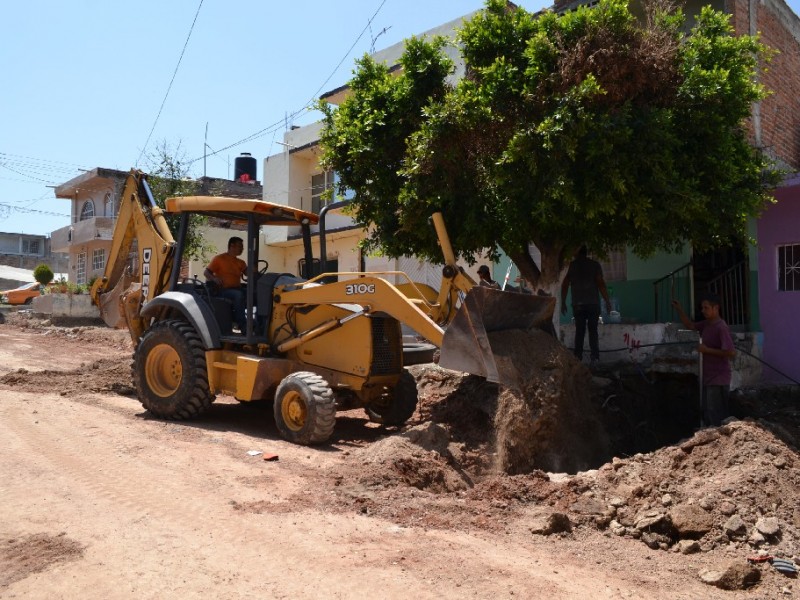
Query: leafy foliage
x=169, y=177
x=43, y=274
x=590, y=127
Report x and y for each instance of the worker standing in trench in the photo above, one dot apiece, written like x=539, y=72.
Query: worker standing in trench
x=717, y=349
x=585, y=277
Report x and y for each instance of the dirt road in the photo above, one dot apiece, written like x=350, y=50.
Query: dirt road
x=99, y=500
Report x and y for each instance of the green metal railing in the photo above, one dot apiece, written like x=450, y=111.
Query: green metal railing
x=676, y=285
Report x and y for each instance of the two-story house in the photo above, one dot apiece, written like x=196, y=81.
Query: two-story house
x=94, y=204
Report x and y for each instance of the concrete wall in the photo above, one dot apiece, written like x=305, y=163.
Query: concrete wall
x=76, y=306
x=665, y=348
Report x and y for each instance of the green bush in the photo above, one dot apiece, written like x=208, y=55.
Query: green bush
x=43, y=274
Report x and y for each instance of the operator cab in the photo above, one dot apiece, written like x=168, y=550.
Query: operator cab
x=260, y=282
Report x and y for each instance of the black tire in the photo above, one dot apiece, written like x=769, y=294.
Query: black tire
x=396, y=406
x=305, y=408
x=418, y=354
x=169, y=371
x=28, y=301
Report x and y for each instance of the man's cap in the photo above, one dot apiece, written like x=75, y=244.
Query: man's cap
x=483, y=269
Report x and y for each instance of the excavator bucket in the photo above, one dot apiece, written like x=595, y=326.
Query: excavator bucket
x=110, y=304
x=467, y=342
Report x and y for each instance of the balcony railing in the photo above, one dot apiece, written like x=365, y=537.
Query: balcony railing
x=82, y=232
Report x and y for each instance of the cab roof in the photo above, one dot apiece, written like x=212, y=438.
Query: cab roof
x=238, y=209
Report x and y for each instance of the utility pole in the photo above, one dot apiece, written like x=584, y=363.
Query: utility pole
x=205, y=150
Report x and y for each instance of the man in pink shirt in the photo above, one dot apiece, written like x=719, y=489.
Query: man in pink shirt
x=716, y=346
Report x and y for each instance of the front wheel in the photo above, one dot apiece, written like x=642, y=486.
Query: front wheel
x=305, y=408
x=169, y=371
x=396, y=405
x=418, y=353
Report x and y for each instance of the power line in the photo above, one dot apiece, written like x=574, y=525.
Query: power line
x=275, y=126
x=41, y=160
x=23, y=174
x=169, y=87
x=10, y=207
x=360, y=35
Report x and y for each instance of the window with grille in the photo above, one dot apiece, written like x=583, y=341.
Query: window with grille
x=87, y=212
x=81, y=269
x=30, y=246
x=98, y=259
x=615, y=267
x=319, y=184
x=789, y=268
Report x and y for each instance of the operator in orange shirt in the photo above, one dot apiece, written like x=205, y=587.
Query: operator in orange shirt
x=227, y=271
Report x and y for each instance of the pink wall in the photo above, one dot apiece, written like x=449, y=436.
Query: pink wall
x=780, y=311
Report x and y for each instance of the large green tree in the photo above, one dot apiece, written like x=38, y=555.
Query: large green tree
x=590, y=127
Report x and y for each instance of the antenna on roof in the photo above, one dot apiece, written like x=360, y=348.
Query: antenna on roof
x=380, y=33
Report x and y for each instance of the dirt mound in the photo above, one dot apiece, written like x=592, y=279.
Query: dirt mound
x=113, y=339
x=105, y=375
x=551, y=423
x=111, y=373
x=419, y=457
x=733, y=485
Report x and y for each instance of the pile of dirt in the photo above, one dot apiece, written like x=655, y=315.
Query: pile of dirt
x=109, y=374
x=732, y=485
x=100, y=376
x=113, y=339
x=550, y=423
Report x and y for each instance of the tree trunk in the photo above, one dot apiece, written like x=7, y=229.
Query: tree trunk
x=546, y=281
x=551, y=269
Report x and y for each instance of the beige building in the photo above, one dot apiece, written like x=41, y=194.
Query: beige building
x=94, y=204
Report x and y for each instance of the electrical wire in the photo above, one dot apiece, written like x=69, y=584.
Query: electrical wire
x=694, y=342
x=169, y=87
x=275, y=126
x=32, y=210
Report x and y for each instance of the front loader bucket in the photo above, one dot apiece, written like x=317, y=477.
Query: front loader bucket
x=467, y=346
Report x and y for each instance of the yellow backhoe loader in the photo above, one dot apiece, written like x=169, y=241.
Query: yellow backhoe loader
x=309, y=346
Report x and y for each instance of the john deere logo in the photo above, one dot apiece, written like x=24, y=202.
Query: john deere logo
x=146, y=254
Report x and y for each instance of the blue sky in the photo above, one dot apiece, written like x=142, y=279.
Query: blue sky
x=83, y=81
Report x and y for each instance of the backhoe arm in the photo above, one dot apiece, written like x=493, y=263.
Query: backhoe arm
x=454, y=286
x=120, y=292
x=374, y=295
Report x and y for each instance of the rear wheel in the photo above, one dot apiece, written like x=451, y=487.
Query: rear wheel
x=396, y=405
x=305, y=408
x=169, y=371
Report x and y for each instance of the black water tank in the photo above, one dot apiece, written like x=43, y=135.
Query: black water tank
x=244, y=165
